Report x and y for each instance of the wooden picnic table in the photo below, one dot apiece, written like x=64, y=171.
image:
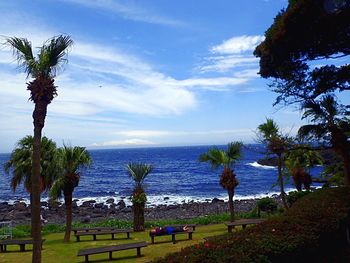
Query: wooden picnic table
x=243, y=223
x=110, y=249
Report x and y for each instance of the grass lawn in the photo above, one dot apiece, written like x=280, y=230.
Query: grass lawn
x=55, y=251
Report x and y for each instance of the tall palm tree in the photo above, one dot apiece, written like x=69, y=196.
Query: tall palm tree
x=330, y=122
x=72, y=160
x=20, y=164
x=226, y=159
x=42, y=69
x=277, y=144
x=138, y=172
x=298, y=161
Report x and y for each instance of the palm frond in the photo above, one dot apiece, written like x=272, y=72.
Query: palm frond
x=22, y=51
x=53, y=53
x=138, y=172
x=234, y=151
x=57, y=188
x=268, y=129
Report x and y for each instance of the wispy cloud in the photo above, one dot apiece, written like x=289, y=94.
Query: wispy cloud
x=128, y=10
x=234, y=53
x=237, y=45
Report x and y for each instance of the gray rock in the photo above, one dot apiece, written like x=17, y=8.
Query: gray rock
x=121, y=205
x=99, y=205
x=217, y=200
x=110, y=201
x=20, y=206
x=86, y=219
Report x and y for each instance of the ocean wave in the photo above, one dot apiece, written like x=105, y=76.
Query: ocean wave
x=256, y=165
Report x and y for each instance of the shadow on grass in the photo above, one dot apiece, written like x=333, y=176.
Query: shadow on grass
x=114, y=258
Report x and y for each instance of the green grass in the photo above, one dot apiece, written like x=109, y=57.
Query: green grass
x=24, y=230
x=56, y=251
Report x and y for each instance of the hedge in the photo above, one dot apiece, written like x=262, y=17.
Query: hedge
x=312, y=230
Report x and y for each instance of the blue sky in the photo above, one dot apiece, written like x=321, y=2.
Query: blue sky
x=144, y=73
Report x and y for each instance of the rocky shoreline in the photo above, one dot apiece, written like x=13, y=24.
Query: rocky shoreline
x=90, y=211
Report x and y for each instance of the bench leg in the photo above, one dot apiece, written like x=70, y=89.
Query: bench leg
x=152, y=237
x=230, y=228
x=86, y=258
x=110, y=255
x=112, y=236
x=1, y=248
x=78, y=238
x=128, y=234
x=22, y=247
x=190, y=236
x=173, y=238
x=244, y=226
x=138, y=251
x=94, y=237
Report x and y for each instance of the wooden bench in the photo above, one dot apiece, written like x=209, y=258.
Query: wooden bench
x=190, y=232
x=95, y=233
x=84, y=229
x=21, y=243
x=110, y=249
x=193, y=226
x=243, y=223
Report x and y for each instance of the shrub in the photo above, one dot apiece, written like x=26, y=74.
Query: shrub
x=292, y=197
x=266, y=204
x=310, y=231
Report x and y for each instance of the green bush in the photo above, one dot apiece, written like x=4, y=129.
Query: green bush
x=292, y=197
x=313, y=230
x=266, y=204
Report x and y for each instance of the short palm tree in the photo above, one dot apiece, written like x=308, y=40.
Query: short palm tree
x=226, y=159
x=42, y=69
x=298, y=162
x=20, y=164
x=277, y=144
x=330, y=122
x=138, y=172
x=72, y=160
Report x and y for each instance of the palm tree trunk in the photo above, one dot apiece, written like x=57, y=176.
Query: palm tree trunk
x=139, y=216
x=280, y=179
x=39, y=115
x=230, y=204
x=69, y=215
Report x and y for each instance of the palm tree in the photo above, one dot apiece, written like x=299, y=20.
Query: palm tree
x=330, y=122
x=277, y=144
x=138, y=172
x=42, y=91
x=226, y=159
x=72, y=160
x=298, y=161
x=20, y=164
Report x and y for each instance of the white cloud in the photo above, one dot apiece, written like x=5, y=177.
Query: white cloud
x=237, y=45
x=124, y=143
x=234, y=53
x=128, y=11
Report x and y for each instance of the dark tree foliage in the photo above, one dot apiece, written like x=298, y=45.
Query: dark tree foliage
x=308, y=30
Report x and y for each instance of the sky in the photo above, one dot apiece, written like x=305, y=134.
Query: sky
x=144, y=73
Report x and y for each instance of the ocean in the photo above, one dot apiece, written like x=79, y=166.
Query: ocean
x=177, y=176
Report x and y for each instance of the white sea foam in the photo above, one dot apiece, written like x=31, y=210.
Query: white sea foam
x=155, y=200
x=256, y=165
